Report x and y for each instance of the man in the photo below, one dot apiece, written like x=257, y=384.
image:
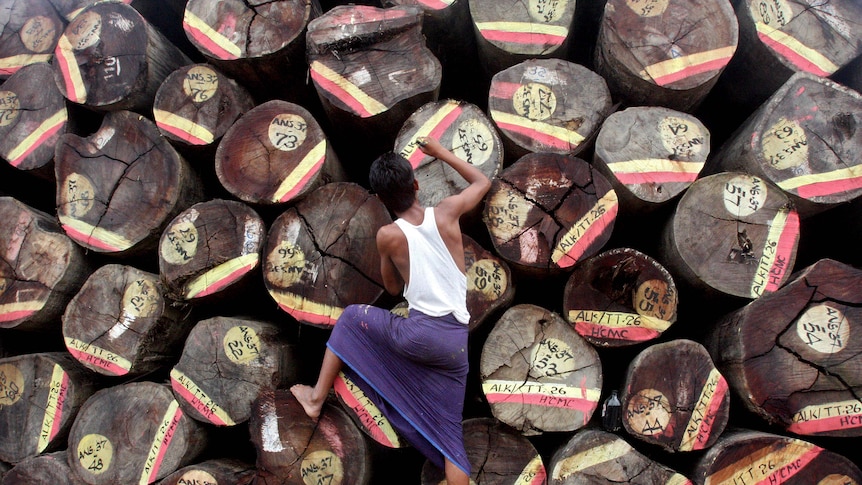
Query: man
x=413, y=368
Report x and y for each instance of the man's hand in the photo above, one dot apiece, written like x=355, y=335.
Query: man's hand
x=430, y=146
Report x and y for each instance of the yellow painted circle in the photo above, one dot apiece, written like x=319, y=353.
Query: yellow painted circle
x=11, y=384
x=38, y=34
x=141, y=298
x=654, y=298
x=10, y=107
x=473, y=142
x=775, y=13
x=487, y=277
x=648, y=412
x=180, y=242
x=534, y=101
x=648, y=8
x=197, y=477
x=285, y=264
x=506, y=213
x=241, y=344
x=547, y=10
x=77, y=195
x=824, y=328
x=200, y=83
x=85, y=30
x=681, y=138
x=551, y=358
x=322, y=466
x=287, y=131
x=744, y=195
x=95, y=453
x=785, y=145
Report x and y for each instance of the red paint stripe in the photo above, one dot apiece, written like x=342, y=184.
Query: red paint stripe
x=633, y=334
x=819, y=189
x=8, y=317
x=435, y=4
x=561, y=402
x=689, y=71
x=190, y=398
x=44, y=136
x=794, y=57
x=308, y=316
x=373, y=429
x=88, y=240
x=785, y=245
x=215, y=49
x=218, y=285
x=823, y=425
x=778, y=476
x=540, y=477
x=58, y=412
x=714, y=405
x=71, y=93
x=300, y=184
x=8, y=71
x=543, y=138
x=182, y=134
x=436, y=132
x=504, y=90
x=596, y=229
x=98, y=362
x=524, y=38
x=166, y=442
x=634, y=178
x=341, y=94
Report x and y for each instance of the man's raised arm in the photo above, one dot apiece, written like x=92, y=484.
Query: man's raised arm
x=468, y=198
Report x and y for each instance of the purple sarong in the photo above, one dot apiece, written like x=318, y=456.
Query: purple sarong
x=418, y=366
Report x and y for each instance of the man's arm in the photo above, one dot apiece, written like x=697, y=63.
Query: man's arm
x=387, y=245
x=458, y=204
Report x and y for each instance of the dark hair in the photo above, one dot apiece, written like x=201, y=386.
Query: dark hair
x=391, y=178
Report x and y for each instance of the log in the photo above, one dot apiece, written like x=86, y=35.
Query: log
x=274, y=154
x=732, y=235
x=490, y=283
x=547, y=105
x=209, y=248
x=371, y=77
x=365, y=414
x=804, y=139
x=33, y=116
x=41, y=268
x=508, y=33
x=448, y=32
x=462, y=128
x=218, y=471
x=291, y=448
x=599, y=457
x=650, y=154
x=792, y=356
x=620, y=297
x=226, y=362
x=547, y=212
x=497, y=453
x=778, y=38
x=110, y=58
x=40, y=395
x=745, y=457
x=321, y=255
x=196, y=104
x=118, y=188
x=132, y=433
x=665, y=52
x=121, y=323
x=537, y=374
x=29, y=32
x=261, y=43
x=683, y=412
x=47, y=468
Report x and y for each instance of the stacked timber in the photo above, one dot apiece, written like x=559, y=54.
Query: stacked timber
x=30, y=32
x=224, y=471
x=46, y=468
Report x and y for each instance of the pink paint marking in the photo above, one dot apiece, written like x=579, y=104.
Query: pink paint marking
x=826, y=424
x=561, y=402
x=182, y=134
x=784, y=473
x=374, y=430
x=785, y=247
x=504, y=90
x=341, y=94
x=800, y=91
x=8, y=71
x=61, y=401
x=635, y=178
x=230, y=278
x=794, y=57
x=524, y=38
x=44, y=136
x=71, y=92
x=692, y=70
x=166, y=442
x=627, y=334
x=436, y=132
x=543, y=138
x=196, y=403
x=714, y=405
x=308, y=316
x=300, y=184
x=88, y=239
x=11, y=316
x=216, y=50
x=98, y=362
x=365, y=13
x=540, y=477
x=832, y=187
x=596, y=229
x=435, y=4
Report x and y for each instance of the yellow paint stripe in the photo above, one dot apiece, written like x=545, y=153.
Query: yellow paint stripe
x=840, y=174
x=186, y=125
x=112, y=240
x=672, y=66
x=371, y=105
x=678, y=479
x=72, y=73
x=619, y=319
x=161, y=441
x=197, y=393
x=531, y=473
x=655, y=165
x=113, y=362
x=217, y=274
x=518, y=388
x=589, y=458
x=30, y=140
x=776, y=456
x=212, y=34
x=524, y=27
x=304, y=309
x=701, y=410
x=572, y=137
x=21, y=306
x=785, y=39
x=429, y=125
x=51, y=407
x=21, y=60
x=301, y=171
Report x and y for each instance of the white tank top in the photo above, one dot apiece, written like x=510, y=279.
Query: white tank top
x=437, y=286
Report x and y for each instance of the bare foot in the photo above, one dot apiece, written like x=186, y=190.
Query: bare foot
x=304, y=394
